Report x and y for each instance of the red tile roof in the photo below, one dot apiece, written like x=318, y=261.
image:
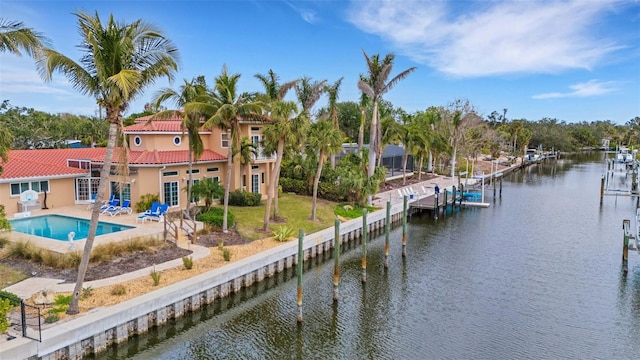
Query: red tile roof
x=53, y=162
x=47, y=162
x=170, y=126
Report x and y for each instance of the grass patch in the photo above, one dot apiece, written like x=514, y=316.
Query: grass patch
x=351, y=211
x=295, y=208
x=10, y=276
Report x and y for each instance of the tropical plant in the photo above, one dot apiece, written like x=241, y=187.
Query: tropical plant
x=333, y=92
x=375, y=85
x=287, y=126
x=283, y=233
x=119, y=61
x=247, y=151
x=226, y=107
x=155, y=276
x=326, y=140
x=187, y=262
x=462, y=117
x=190, y=91
x=15, y=38
x=207, y=189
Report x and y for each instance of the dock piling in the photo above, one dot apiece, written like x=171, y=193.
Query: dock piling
x=365, y=229
x=404, y=226
x=626, y=227
x=336, y=259
x=387, y=227
x=300, y=261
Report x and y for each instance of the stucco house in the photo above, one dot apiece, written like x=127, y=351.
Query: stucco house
x=158, y=164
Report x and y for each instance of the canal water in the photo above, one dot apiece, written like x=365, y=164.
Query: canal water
x=535, y=276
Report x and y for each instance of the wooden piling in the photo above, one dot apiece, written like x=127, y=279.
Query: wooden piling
x=626, y=227
x=601, y=188
x=336, y=259
x=436, y=205
x=387, y=227
x=404, y=227
x=365, y=230
x=300, y=262
x=453, y=198
x=444, y=206
x=501, y=185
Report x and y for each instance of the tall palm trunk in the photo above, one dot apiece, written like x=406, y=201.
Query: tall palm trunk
x=190, y=160
x=74, y=307
x=361, y=131
x=316, y=181
x=374, y=139
x=276, y=197
x=273, y=185
x=225, y=227
x=420, y=166
x=405, y=157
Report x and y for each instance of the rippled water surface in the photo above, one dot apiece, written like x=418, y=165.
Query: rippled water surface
x=536, y=275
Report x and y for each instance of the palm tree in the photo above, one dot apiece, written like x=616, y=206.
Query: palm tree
x=462, y=118
x=287, y=126
x=16, y=38
x=207, y=189
x=247, y=151
x=272, y=87
x=227, y=107
x=333, y=92
x=189, y=91
x=119, y=61
x=326, y=140
x=374, y=86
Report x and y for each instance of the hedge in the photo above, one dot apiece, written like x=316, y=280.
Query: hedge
x=214, y=217
x=244, y=198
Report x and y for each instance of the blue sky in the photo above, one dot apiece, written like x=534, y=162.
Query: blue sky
x=570, y=60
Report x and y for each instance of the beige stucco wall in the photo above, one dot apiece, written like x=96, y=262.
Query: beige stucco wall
x=61, y=193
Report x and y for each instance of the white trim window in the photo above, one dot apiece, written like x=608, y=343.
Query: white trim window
x=177, y=140
x=137, y=140
x=37, y=186
x=171, y=192
x=224, y=140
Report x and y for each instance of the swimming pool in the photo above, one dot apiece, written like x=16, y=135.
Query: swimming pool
x=58, y=227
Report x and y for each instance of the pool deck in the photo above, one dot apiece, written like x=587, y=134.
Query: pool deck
x=147, y=228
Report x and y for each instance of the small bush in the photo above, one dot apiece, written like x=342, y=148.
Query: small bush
x=145, y=202
x=3, y=242
x=22, y=250
x=300, y=187
x=155, y=276
x=331, y=192
x=226, y=254
x=112, y=250
x=220, y=244
x=51, y=318
x=187, y=261
x=14, y=299
x=213, y=217
x=86, y=292
x=63, y=300
x=5, y=306
x=118, y=290
x=283, y=233
x=244, y=198
x=351, y=211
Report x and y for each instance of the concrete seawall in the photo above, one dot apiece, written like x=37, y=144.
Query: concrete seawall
x=100, y=328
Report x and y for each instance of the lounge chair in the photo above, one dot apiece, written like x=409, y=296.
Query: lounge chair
x=156, y=213
x=92, y=201
x=117, y=210
x=112, y=204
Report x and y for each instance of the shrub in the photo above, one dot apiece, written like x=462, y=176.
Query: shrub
x=51, y=318
x=145, y=202
x=86, y=292
x=5, y=306
x=3, y=242
x=351, y=211
x=299, y=187
x=118, y=289
x=187, y=261
x=283, y=233
x=155, y=276
x=21, y=249
x=244, y=198
x=14, y=299
x=331, y=192
x=4, y=223
x=226, y=254
x=213, y=217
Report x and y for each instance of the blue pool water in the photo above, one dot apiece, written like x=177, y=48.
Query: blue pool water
x=58, y=227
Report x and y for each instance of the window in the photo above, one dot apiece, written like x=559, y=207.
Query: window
x=213, y=169
x=38, y=186
x=262, y=175
x=194, y=199
x=194, y=171
x=255, y=183
x=255, y=128
x=170, y=173
x=225, y=140
x=255, y=167
x=120, y=190
x=171, y=193
x=177, y=141
x=137, y=141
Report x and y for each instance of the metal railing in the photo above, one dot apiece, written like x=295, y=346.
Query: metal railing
x=27, y=321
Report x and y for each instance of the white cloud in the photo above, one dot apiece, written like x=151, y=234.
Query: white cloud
x=586, y=89
x=470, y=39
x=307, y=15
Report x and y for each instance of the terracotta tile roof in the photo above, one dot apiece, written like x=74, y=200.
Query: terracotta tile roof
x=156, y=157
x=53, y=162
x=47, y=162
x=170, y=126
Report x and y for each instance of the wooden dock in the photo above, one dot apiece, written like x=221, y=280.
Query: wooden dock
x=429, y=202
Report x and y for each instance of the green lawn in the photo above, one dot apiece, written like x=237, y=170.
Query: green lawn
x=295, y=208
